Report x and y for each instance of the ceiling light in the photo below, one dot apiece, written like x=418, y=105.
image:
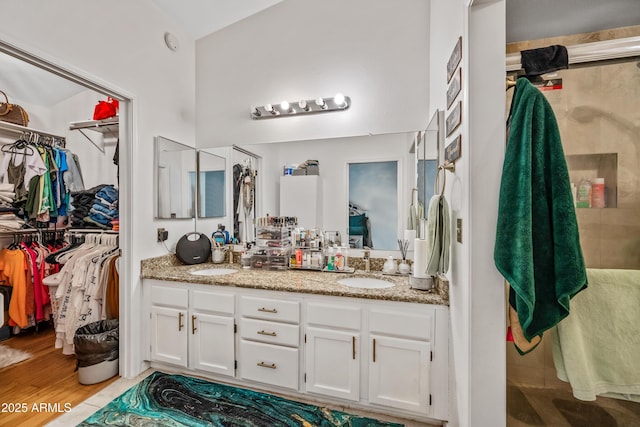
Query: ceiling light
x=305, y=106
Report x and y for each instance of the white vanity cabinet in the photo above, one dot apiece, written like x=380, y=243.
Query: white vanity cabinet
x=378, y=353
x=400, y=358
x=332, y=340
x=193, y=328
x=269, y=340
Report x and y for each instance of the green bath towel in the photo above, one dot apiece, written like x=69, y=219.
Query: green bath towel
x=537, y=246
x=596, y=348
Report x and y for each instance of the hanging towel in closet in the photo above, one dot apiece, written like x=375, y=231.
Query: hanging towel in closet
x=537, y=246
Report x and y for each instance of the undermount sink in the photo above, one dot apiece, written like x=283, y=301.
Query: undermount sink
x=214, y=272
x=365, y=282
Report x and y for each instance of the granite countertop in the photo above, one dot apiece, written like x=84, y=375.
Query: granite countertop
x=311, y=282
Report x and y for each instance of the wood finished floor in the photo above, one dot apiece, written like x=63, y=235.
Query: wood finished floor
x=48, y=377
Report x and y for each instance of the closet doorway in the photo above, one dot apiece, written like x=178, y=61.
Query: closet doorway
x=60, y=104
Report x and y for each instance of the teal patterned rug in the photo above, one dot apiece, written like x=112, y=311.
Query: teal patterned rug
x=175, y=400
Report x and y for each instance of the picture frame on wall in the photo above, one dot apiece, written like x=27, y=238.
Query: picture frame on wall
x=454, y=118
x=454, y=59
x=454, y=87
x=453, y=151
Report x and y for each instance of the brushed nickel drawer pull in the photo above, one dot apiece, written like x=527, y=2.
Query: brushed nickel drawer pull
x=268, y=310
x=265, y=365
x=271, y=334
x=374, y=349
x=353, y=348
x=180, y=325
x=193, y=324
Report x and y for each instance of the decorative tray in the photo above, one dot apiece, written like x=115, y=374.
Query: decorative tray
x=344, y=270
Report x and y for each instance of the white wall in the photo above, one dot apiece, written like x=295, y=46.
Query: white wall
x=132, y=58
x=476, y=293
x=373, y=52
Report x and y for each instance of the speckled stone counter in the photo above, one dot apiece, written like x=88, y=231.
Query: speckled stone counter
x=311, y=282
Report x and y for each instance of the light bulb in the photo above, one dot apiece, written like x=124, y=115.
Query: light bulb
x=320, y=103
x=284, y=105
x=303, y=104
x=256, y=112
x=339, y=99
x=269, y=109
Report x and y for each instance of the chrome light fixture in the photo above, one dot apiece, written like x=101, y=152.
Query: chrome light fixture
x=302, y=107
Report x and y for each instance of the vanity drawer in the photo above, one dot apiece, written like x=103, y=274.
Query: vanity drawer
x=213, y=302
x=169, y=296
x=340, y=316
x=269, y=364
x=270, y=332
x=402, y=323
x=270, y=309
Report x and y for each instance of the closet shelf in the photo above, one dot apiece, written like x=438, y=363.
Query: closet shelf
x=103, y=126
x=12, y=127
x=107, y=127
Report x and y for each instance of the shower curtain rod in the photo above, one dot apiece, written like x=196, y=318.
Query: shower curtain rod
x=590, y=52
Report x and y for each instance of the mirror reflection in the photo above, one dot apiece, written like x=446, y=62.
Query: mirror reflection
x=211, y=185
x=427, y=149
x=175, y=187
x=373, y=205
x=329, y=160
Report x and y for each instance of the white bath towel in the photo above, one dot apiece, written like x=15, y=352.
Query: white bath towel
x=438, y=235
x=596, y=347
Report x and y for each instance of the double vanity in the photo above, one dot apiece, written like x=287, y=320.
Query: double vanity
x=361, y=340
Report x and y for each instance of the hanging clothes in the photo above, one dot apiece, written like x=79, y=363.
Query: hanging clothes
x=81, y=286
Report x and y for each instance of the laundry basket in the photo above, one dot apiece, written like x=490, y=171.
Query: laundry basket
x=97, y=351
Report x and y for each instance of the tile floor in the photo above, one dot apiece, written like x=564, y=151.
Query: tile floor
x=91, y=405
x=535, y=406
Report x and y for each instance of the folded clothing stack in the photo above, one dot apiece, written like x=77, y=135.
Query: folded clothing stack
x=104, y=208
x=81, y=202
x=7, y=195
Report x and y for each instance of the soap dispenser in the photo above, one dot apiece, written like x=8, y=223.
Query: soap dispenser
x=390, y=266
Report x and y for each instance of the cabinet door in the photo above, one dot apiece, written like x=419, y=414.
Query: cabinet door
x=333, y=363
x=169, y=335
x=211, y=341
x=399, y=373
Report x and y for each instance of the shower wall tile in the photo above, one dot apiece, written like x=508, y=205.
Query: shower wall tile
x=620, y=238
x=589, y=227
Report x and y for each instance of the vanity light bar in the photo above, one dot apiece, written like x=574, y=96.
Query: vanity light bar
x=305, y=106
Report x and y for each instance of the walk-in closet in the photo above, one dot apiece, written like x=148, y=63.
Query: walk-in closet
x=59, y=234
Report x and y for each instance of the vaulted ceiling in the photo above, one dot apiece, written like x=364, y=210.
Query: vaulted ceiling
x=526, y=20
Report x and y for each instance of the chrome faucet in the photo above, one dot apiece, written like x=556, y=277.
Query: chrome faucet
x=367, y=266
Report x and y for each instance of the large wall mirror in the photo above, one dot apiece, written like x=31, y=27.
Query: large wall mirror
x=211, y=183
x=427, y=147
x=334, y=155
x=175, y=168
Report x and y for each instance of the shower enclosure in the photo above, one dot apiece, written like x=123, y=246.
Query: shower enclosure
x=597, y=106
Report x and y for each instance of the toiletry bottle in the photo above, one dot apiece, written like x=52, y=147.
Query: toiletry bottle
x=339, y=260
x=597, y=193
x=390, y=266
x=330, y=259
x=584, y=194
